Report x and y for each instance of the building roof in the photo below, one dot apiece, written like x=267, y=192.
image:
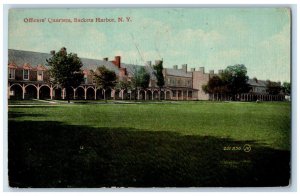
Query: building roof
x=178, y=72
x=261, y=83
x=131, y=69
x=21, y=57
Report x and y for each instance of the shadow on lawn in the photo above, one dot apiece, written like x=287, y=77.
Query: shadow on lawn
x=52, y=154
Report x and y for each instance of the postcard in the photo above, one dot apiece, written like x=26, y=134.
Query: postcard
x=149, y=97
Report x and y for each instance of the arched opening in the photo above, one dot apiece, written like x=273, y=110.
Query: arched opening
x=117, y=94
x=142, y=95
x=162, y=95
x=168, y=95
x=99, y=94
x=180, y=95
x=69, y=92
x=190, y=95
x=124, y=94
x=133, y=94
x=90, y=93
x=45, y=92
x=30, y=92
x=149, y=95
x=108, y=94
x=16, y=92
x=155, y=95
x=57, y=93
x=79, y=93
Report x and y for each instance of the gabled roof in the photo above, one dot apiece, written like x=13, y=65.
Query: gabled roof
x=261, y=83
x=21, y=57
x=130, y=68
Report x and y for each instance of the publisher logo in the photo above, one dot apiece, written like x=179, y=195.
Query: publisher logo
x=247, y=148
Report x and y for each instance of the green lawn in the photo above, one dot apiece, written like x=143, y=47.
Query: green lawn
x=149, y=144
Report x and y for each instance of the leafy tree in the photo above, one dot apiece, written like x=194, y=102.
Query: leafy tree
x=159, y=74
x=215, y=85
x=233, y=80
x=105, y=78
x=286, y=87
x=236, y=79
x=273, y=88
x=141, y=78
x=65, y=70
x=124, y=84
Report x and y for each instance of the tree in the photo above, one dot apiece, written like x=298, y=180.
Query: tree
x=273, y=88
x=159, y=74
x=214, y=85
x=105, y=78
x=65, y=70
x=141, y=78
x=286, y=87
x=232, y=81
x=124, y=84
x=236, y=79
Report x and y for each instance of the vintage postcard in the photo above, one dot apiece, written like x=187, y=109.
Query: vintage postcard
x=149, y=97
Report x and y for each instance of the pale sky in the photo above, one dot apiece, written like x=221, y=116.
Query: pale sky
x=200, y=37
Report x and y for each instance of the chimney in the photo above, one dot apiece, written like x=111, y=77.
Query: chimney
x=105, y=59
x=201, y=69
x=211, y=71
x=175, y=67
x=117, y=61
x=184, y=67
x=220, y=71
x=193, y=69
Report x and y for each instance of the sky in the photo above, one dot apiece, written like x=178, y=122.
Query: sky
x=213, y=38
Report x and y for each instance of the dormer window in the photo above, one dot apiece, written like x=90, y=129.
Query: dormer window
x=11, y=73
x=40, y=75
x=25, y=74
x=85, y=79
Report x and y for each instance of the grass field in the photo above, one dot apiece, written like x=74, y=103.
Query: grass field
x=164, y=144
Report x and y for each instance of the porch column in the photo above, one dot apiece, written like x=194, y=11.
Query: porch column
x=8, y=91
x=23, y=92
x=51, y=92
x=177, y=95
x=85, y=92
x=165, y=95
x=187, y=94
x=182, y=94
x=122, y=94
x=95, y=90
x=74, y=93
x=145, y=95
x=63, y=93
x=152, y=94
x=38, y=92
x=103, y=91
x=138, y=95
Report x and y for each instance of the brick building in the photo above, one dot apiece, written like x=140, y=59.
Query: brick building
x=28, y=78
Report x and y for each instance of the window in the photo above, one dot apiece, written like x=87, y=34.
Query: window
x=11, y=73
x=85, y=79
x=25, y=74
x=40, y=75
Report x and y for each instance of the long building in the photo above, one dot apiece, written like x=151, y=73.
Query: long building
x=28, y=78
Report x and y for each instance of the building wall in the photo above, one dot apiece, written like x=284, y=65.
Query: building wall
x=176, y=81
x=199, y=79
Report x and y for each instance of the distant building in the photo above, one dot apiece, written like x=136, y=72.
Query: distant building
x=28, y=78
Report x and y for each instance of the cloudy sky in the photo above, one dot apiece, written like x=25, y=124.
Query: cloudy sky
x=200, y=37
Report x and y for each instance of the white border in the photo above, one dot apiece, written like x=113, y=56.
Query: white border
x=186, y=3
